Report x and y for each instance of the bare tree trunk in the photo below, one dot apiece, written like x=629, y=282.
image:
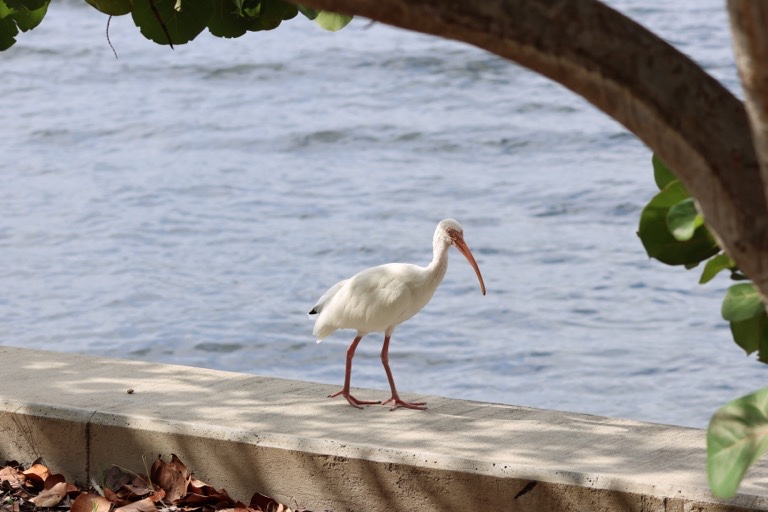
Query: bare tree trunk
x=690, y=120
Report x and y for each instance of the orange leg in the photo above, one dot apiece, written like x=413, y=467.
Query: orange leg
x=354, y=402
x=395, y=398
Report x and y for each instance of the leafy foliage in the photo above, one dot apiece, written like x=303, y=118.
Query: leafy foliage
x=18, y=15
x=751, y=335
x=331, y=21
x=714, y=265
x=741, y=303
x=736, y=438
x=248, y=16
x=744, y=309
x=683, y=219
x=661, y=173
x=174, y=21
x=168, y=22
x=112, y=7
x=673, y=231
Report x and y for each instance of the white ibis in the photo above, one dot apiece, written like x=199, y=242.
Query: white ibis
x=379, y=299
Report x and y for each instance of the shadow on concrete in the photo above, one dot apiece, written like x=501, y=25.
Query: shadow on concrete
x=286, y=438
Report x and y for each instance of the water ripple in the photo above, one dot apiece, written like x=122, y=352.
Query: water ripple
x=189, y=207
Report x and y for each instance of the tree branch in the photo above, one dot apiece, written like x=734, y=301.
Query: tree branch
x=749, y=20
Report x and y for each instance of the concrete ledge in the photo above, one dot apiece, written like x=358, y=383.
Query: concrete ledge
x=284, y=438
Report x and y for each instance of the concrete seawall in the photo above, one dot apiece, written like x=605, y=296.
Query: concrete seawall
x=284, y=438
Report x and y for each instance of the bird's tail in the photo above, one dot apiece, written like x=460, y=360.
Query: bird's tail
x=323, y=331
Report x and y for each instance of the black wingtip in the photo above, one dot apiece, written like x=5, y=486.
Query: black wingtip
x=313, y=312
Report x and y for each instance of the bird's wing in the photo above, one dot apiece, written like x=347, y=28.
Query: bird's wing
x=375, y=299
x=326, y=297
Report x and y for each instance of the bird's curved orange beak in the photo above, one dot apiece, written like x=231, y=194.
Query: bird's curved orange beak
x=461, y=245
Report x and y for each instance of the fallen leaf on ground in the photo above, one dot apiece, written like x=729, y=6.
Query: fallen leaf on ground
x=115, y=477
x=145, y=505
x=173, y=477
x=39, y=470
x=267, y=504
x=12, y=475
x=171, y=488
x=88, y=502
x=51, y=497
x=53, y=480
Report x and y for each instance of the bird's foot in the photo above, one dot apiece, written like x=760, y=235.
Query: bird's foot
x=354, y=402
x=398, y=402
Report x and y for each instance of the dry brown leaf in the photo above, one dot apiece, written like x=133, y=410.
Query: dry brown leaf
x=111, y=496
x=137, y=488
x=51, y=497
x=72, y=489
x=173, y=477
x=39, y=470
x=267, y=504
x=87, y=502
x=53, y=480
x=198, y=486
x=145, y=505
x=199, y=493
x=124, y=491
x=216, y=501
x=238, y=508
x=138, y=491
x=140, y=481
x=116, y=477
x=13, y=476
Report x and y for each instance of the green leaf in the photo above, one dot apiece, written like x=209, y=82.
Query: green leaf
x=226, y=21
x=661, y=173
x=248, y=7
x=683, y=218
x=332, y=21
x=26, y=5
x=714, y=265
x=27, y=20
x=748, y=333
x=180, y=26
x=736, y=438
x=741, y=302
x=232, y=18
x=659, y=242
x=8, y=33
x=112, y=7
x=309, y=12
x=18, y=15
x=273, y=12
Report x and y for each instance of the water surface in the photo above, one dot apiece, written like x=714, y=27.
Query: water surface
x=189, y=207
